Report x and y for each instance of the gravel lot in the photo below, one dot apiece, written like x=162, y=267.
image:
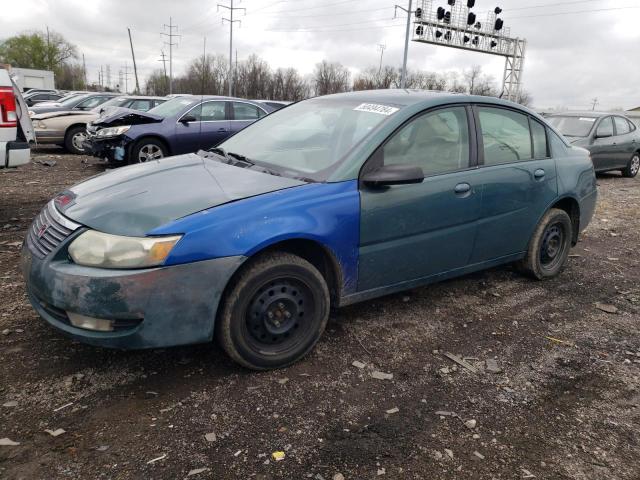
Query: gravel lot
x=565, y=404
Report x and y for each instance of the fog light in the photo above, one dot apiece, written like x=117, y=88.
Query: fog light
x=90, y=323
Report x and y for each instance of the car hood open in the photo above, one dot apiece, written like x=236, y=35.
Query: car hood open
x=125, y=116
x=136, y=199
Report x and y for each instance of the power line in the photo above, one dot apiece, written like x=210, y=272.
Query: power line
x=335, y=14
x=231, y=21
x=171, y=45
x=571, y=13
x=556, y=4
x=313, y=28
x=306, y=8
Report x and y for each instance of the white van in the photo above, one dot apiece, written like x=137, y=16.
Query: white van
x=16, y=131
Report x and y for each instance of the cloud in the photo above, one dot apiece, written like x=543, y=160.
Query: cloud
x=571, y=59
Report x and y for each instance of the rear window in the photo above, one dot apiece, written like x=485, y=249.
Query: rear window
x=572, y=126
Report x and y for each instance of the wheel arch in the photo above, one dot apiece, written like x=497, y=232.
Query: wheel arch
x=572, y=207
x=74, y=125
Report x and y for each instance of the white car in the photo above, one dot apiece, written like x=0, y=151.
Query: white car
x=16, y=130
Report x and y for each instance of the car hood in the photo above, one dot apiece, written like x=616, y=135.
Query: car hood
x=126, y=116
x=136, y=199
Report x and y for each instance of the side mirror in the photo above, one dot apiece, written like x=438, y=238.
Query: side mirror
x=188, y=119
x=393, y=175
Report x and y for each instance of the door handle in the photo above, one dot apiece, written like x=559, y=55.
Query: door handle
x=539, y=173
x=222, y=129
x=462, y=188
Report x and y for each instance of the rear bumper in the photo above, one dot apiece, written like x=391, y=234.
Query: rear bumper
x=587, y=209
x=14, y=154
x=157, y=307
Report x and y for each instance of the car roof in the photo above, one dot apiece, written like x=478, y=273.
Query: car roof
x=586, y=113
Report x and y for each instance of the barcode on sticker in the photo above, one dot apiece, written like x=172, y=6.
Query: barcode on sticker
x=376, y=108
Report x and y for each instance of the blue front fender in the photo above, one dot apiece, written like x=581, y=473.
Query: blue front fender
x=327, y=213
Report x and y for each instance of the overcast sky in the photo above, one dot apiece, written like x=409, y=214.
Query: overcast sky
x=571, y=58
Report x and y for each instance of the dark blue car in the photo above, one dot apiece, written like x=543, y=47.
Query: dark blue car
x=184, y=124
x=327, y=202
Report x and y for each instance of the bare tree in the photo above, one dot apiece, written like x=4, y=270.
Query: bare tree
x=287, y=84
x=331, y=78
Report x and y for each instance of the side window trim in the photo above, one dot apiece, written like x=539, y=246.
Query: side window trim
x=376, y=159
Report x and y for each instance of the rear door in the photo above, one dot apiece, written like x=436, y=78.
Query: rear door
x=244, y=114
x=624, y=141
x=518, y=178
x=411, y=232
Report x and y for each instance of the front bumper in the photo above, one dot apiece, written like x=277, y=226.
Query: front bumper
x=113, y=149
x=158, y=307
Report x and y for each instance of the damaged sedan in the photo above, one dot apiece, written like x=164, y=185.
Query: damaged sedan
x=184, y=124
x=327, y=202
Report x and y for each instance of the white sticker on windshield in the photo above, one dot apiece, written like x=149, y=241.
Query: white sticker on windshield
x=587, y=119
x=376, y=108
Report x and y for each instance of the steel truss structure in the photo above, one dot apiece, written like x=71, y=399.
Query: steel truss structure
x=455, y=32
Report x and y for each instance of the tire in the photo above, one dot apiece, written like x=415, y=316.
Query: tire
x=73, y=139
x=274, y=312
x=147, y=149
x=549, y=246
x=632, y=168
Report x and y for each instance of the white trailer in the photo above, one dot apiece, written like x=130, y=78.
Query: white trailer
x=28, y=78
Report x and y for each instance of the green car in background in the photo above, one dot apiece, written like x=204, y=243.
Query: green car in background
x=612, y=139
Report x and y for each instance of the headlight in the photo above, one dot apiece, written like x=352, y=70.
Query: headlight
x=112, y=131
x=40, y=125
x=31, y=113
x=96, y=249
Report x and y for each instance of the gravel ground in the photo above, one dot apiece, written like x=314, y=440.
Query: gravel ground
x=564, y=403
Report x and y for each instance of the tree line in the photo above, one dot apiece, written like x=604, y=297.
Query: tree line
x=253, y=77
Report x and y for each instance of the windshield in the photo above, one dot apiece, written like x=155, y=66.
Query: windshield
x=171, y=107
x=308, y=138
x=72, y=101
x=572, y=126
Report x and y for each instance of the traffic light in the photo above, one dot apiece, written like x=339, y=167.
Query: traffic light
x=475, y=41
x=418, y=13
x=447, y=17
x=499, y=24
x=419, y=30
x=466, y=39
x=471, y=18
x=497, y=11
x=451, y=2
x=447, y=36
x=440, y=13
x=493, y=44
x=471, y=3
x=438, y=33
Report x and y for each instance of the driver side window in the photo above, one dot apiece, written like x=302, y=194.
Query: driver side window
x=605, y=129
x=437, y=141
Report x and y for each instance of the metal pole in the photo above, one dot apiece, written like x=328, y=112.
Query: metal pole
x=133, y=55
x=403, y=78
x=231, y=52
x=170, y=58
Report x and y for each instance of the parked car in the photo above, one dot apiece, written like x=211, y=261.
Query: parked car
x=38, y=97
x=181, y=125
x=16, y=130
x=330, y=201
x=275, y=104
x=69, y=128
x=81, y=102
x=612, y=139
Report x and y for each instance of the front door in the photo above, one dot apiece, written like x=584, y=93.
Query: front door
x=518, y=180
x=209, y=126
x=624, y=142
x=410, y=232
x=602, y=147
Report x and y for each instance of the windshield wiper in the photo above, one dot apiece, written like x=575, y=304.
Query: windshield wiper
x=219, y=151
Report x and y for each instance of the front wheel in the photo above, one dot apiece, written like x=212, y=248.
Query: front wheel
x=148, y=149
x=75, y=138
x=549, y=246
x=274, y=313
x=632, y=167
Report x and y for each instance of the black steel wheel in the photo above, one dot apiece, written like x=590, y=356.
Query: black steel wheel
x=549, y=246
x=274, y=313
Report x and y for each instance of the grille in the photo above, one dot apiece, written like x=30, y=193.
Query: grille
x=48, y=231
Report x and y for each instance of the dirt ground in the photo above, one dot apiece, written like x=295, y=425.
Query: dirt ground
x=566, y=404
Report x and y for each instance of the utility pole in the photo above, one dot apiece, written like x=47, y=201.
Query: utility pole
x=101, y=79
x=133, y=56
x=403, y=77
x=594, y=103
x=125, y=74
x=171, y=26
x=48, y=50
x=164, y=64
x=84, y=71
x=231, y=9
x=382, y=47
x=108, y=76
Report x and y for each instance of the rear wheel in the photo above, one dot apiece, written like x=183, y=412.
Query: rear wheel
x=633, y=166
x=148, y=149
x=549, y=246
x=74, y=139
x=274, y=313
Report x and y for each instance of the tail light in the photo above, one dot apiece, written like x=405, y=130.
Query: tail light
x=8, y=117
